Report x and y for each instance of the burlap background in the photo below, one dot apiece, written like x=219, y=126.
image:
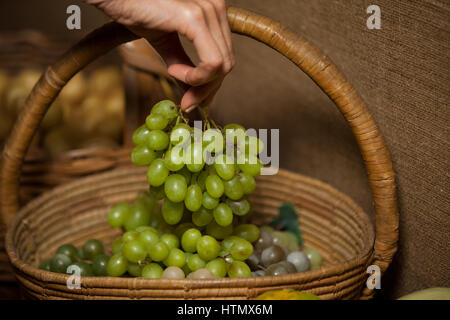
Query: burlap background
x=401, y=71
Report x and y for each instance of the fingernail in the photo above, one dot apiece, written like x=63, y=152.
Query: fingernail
x=188, y=110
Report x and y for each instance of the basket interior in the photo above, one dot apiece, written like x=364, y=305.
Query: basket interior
x=76, y=212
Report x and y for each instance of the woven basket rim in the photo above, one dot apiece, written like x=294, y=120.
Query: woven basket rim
x=364, y=257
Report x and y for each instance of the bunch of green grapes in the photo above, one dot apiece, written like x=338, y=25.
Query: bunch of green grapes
x=90, y=260
x=201, y=178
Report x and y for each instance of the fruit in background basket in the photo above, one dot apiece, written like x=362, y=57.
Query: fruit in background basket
x=74, y=91
x=104, y=80
x=201, y=274
x=19, y=88
x=239, y=269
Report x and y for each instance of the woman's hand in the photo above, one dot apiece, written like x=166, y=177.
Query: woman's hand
x=203, y=22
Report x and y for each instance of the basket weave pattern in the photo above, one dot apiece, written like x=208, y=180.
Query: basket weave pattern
x=331, y=222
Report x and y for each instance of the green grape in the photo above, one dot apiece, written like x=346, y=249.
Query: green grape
x=159, y=251
x=146, y=228
x=164, y=228
x=214, y=186
x=152, y=271
x=175, y=188
x=142, y=156
x=117, y=265
x=117, y=246
x=156, y=121
x=59, y=263
x=251, y=145
x=99, y=264
x=92, y=248
x=157, y=192
x=219, y=232
x=172, y=212
x=157, y=140
x=241, y=249
x=239, y=269
x=173, y=160
x=134, y=269
x=157, y=173
x=228, y=242
x=166, y=108
x=223, y=215
x=170, y=240
x=140, y=136
x=224, y=167
x=45, y=265
x=218, y=267
x=314, y=257
x=239, y=208
x=248, y=183
x=202, y=217
x=249, y=232
x=233, y=188
x=182, y=227
x=195, y=161
x=84, y=269
x=118, y=214
x=180, y=134
x=193, y=199
x=189, y=239
x=208, y=248
x=186, y=174
x=69, y=250
x=138, y=217
x=187, y=216
x=250, y=165
x=201, y=179
x=134, y=251
x=195, y=262
x=213, y=141
x=148, y=237
x=146, y=200
x=176, y=258
x=80, y=254
x=208, y=201
x=234, y=133
x=130, y=235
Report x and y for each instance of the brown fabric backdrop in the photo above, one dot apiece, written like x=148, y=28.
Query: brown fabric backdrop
x=401, y=71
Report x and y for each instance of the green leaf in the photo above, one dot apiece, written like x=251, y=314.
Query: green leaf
x=287, y=221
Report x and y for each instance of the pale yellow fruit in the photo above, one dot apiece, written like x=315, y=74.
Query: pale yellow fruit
x=429, y=294
x=18, y=90
x=104, y=79
x=75, y=90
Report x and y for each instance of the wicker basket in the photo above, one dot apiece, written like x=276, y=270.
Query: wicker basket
x=40, y=172
x=76, y=211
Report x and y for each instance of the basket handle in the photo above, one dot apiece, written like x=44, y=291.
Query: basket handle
x=306, y=56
